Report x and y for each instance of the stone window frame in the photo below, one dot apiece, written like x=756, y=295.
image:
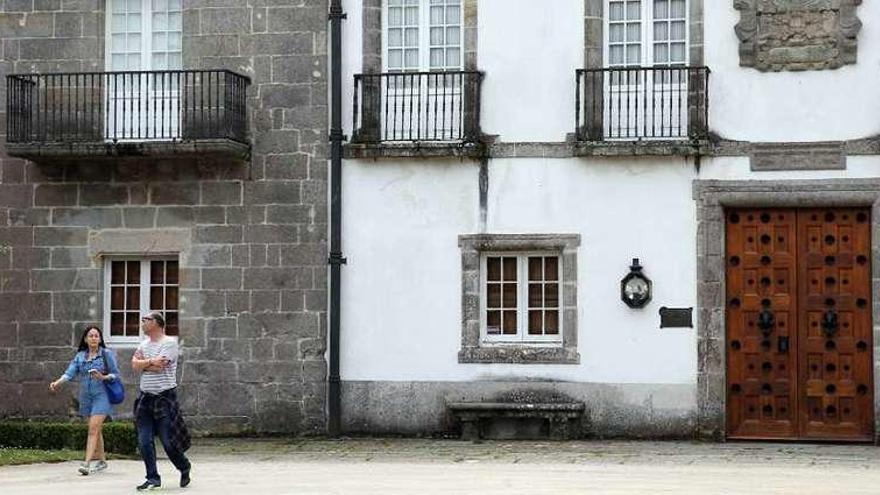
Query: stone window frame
x=712, y=197
x=594, y=58
x=473, y=348
x=104, y=244
x=594, y=36
x=372, y=35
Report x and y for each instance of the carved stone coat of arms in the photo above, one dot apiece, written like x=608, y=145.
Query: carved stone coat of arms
x=797, y=34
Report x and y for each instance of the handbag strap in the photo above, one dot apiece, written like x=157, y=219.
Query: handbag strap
x=104, y=357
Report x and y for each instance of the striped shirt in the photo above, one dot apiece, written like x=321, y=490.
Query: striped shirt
x=157, y=381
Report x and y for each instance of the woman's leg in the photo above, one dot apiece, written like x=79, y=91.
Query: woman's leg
x=99, y=451
x=95, y=423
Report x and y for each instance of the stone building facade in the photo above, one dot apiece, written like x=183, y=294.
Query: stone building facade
x=243, y=222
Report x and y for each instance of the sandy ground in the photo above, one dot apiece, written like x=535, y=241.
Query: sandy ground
x=406, y=466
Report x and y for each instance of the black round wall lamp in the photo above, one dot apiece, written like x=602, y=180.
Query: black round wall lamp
x=635, y=288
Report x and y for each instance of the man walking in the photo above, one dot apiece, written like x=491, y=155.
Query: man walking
x=156, y=409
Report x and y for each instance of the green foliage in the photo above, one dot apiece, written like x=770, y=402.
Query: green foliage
x=14, y=457
x=119, y=437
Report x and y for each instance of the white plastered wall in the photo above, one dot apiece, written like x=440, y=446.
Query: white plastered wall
x=402, y=294
x=402, y=317
x=529, y=50
x=791, y=106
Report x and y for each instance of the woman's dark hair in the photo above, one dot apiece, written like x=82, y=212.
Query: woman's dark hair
x=83, y=346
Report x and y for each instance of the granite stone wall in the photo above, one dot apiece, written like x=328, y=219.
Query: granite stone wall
x=250, y=234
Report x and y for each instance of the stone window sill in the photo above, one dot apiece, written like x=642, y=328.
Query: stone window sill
x=135, y=149
x=519, y=354
x=412, y=149
x=567, y=149
x=641, y=148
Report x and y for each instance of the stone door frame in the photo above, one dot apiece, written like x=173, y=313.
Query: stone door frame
x=712, y=197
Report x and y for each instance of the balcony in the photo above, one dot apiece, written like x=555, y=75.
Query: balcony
x=638, y=110
x=109, y=114
x=416, y=114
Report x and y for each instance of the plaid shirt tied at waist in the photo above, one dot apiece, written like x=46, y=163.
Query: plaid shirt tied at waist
x=161, y=405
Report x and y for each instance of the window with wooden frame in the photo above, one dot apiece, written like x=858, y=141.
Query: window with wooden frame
x=521, y=297
x=134, y=287
x=646, y=33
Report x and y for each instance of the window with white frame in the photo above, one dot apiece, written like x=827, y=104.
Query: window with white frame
x=133, y=287
x=423, y=56
x=646, y=33
x=521, y=297
x=143, y=35
x=422, y=35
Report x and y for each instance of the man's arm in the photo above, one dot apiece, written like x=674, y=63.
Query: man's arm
x=141, y=364
x=171, y=351
x=138, y=363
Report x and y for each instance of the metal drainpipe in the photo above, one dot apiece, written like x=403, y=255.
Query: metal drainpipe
x=334, y=392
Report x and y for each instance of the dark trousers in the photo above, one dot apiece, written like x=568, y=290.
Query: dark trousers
x=148, y=426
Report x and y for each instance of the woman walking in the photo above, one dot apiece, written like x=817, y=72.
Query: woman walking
x=92, y=365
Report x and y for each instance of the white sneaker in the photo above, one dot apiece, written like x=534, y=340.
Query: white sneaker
x=98, y=466
x=84, y=469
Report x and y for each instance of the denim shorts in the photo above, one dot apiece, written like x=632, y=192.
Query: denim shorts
x=93, y=399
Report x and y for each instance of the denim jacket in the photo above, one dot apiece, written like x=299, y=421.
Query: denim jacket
x=79, y=366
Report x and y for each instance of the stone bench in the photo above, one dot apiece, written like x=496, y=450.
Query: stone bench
x=558, y=414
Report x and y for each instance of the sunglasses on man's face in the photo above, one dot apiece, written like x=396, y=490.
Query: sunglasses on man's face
x=147, y=318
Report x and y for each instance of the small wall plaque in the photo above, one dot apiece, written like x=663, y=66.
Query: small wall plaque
x=676, y=317
x=798, y=156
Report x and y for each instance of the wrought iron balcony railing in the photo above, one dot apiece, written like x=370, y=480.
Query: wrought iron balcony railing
x=417, y=106
x=642, y=103
x=113, y=107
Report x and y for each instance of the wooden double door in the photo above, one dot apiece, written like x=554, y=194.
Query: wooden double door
x=799, y=331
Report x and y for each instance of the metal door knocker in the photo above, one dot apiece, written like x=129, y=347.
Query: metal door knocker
x=830, y=323
x=766, y=321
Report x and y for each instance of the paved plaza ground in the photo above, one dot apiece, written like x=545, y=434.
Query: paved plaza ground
x=421, y=466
